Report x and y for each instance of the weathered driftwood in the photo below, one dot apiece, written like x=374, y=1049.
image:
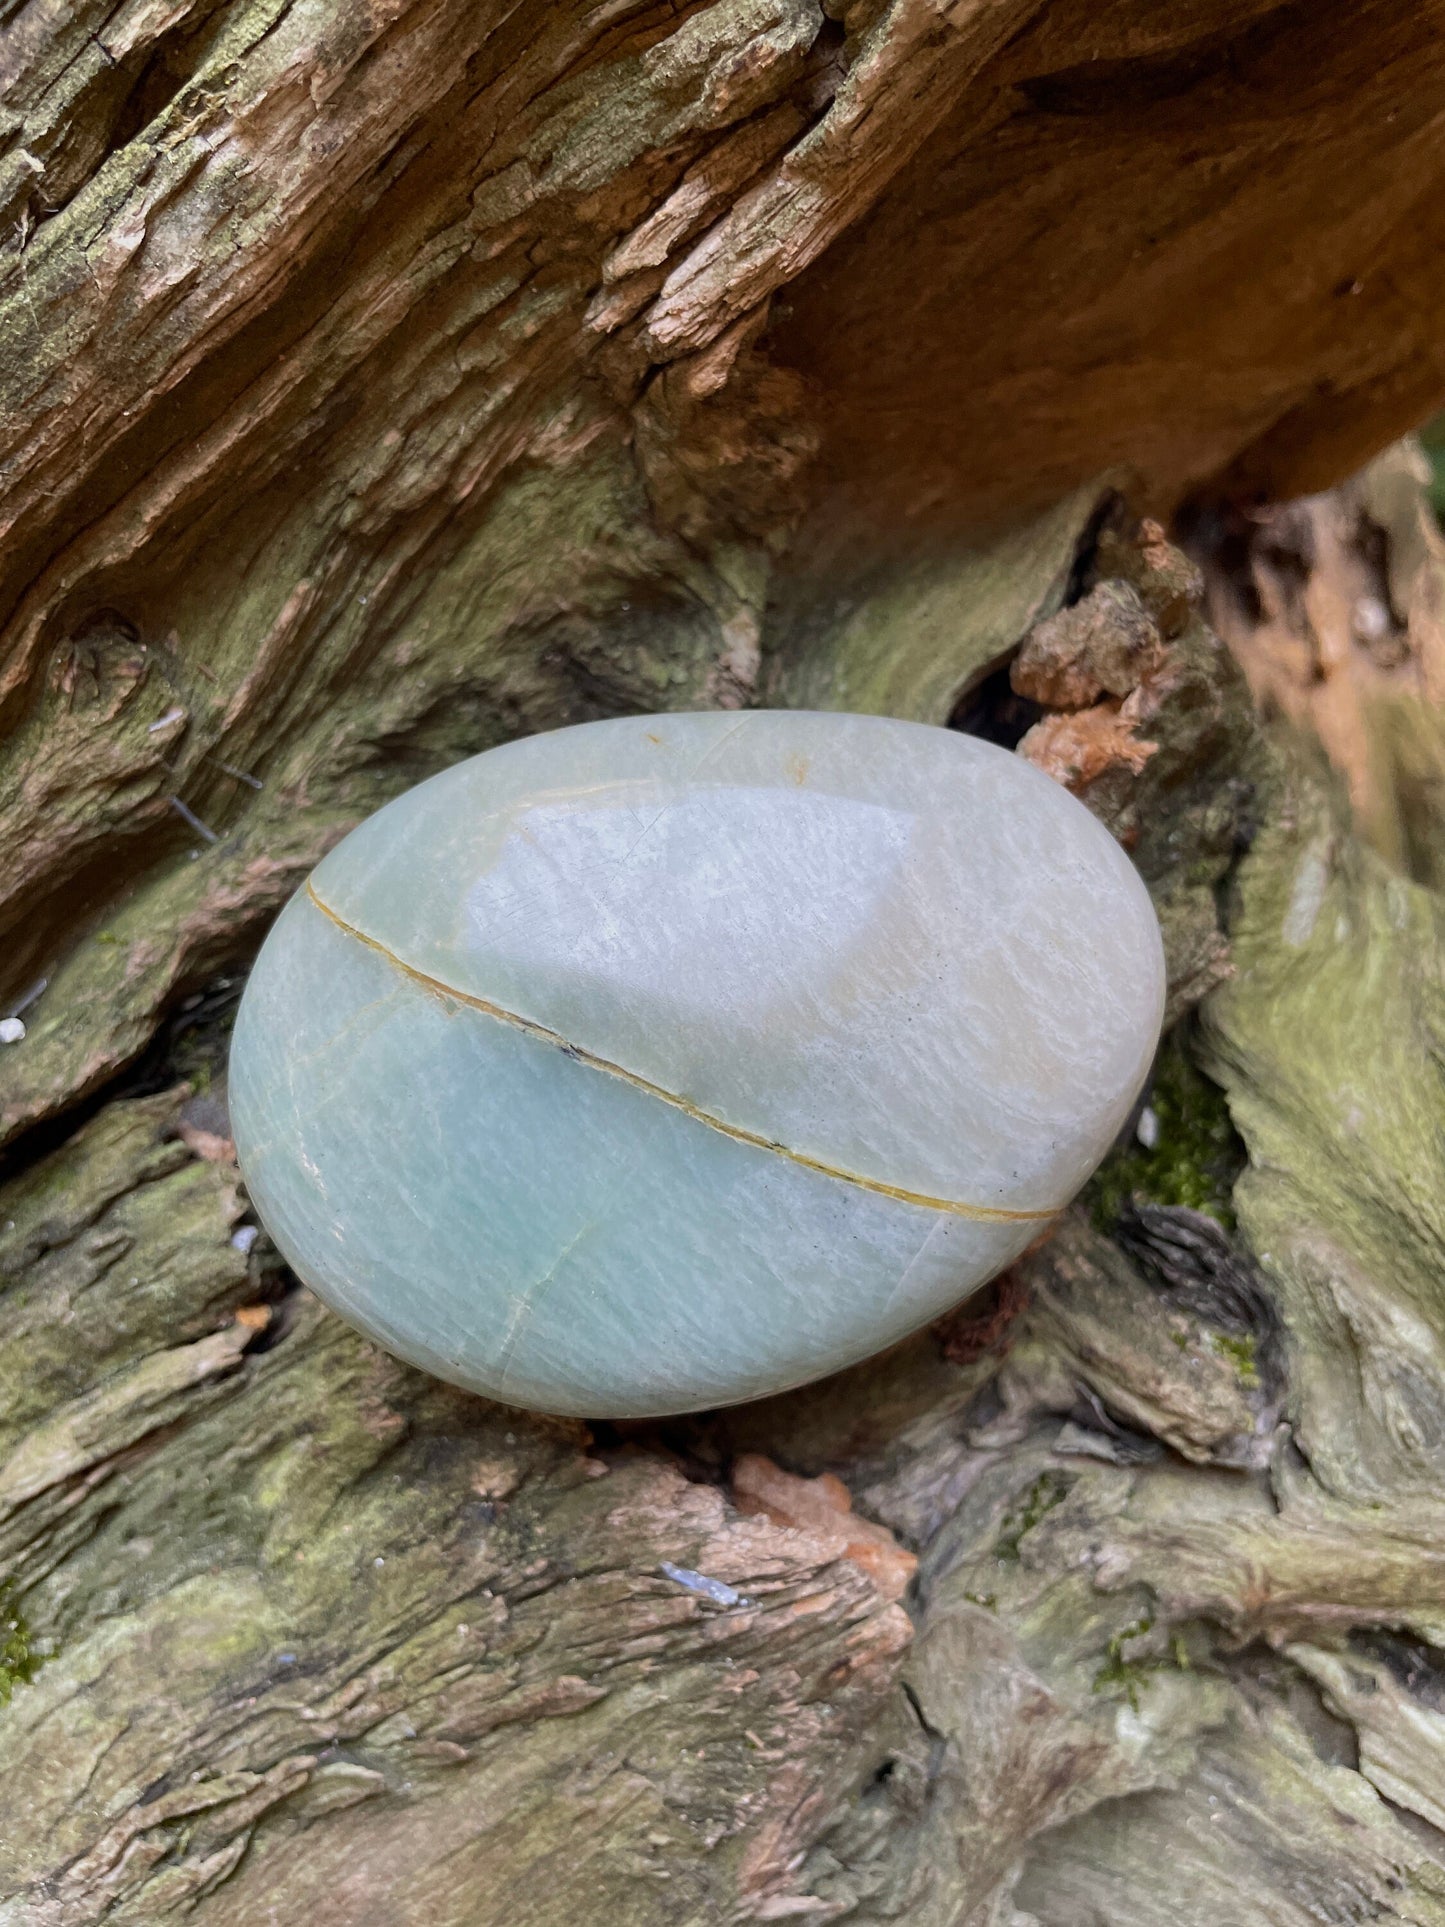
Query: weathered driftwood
x=379, y=383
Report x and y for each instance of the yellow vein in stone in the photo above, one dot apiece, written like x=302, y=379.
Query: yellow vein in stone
x=986, y=1213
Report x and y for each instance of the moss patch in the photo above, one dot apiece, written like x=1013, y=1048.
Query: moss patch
x=1432, y=437
x=1121, y=1675
x=1196, y=1156
x=19, y=1662
x=1240, y=1349
x=1048, y=1490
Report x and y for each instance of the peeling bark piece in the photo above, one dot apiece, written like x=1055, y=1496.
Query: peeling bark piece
x=823, y=1508
x=703, y=191
x=1177, y=769
x=1077, y=749
x=1167, y=580
x=1106, y=644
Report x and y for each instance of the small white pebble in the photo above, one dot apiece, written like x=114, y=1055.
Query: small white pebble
x=11, y=1030
x=1147, y=1129
x=378, y=1560
x=245, y=1238
x=1371, y=618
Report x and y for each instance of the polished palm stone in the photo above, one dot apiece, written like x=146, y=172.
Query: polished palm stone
x=667, y=1062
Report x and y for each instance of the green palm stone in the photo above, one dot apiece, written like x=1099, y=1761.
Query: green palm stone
x=667, y=1062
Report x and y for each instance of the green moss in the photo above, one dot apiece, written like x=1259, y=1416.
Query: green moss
x=1239, y=1348
x=1048, y=1490
x=1128, y=1677
x=19, y=1662
x=1432, y=436
x=1195, y=1158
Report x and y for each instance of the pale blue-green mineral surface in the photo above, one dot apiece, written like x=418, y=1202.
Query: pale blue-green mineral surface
x=667, y=1062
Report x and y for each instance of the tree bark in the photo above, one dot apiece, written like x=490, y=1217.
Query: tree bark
x=381, y=382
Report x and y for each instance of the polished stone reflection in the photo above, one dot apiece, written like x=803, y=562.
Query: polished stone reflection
x=672, y=1061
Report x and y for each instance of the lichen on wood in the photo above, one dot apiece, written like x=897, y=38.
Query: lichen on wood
x=379, y=387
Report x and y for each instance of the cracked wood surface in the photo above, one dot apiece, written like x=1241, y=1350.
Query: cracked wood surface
x=379, y=383
x=304, y=1629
